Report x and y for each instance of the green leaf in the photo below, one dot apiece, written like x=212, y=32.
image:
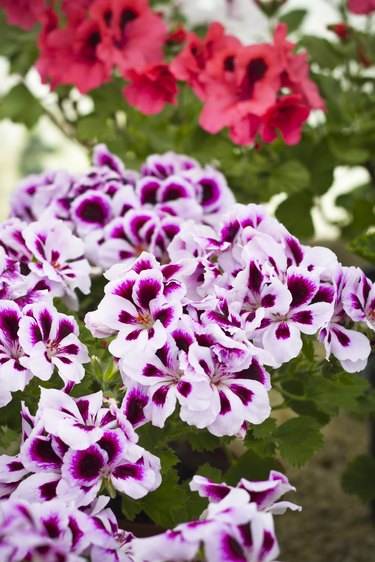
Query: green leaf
x=264, y=429
x=20, y=106
x=358, y=478
x=321, y=51
x=9, y=440
x=293, y=19
x=210, y=472
x=295, y=214
x=250, y=466
x=364, y=246
x=342, y=148
x=289, y=177
x=298, y=439
x=169, y=498
x=130, y=508
x=202, y=440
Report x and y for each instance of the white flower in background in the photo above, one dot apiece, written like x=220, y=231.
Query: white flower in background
x=241, y=18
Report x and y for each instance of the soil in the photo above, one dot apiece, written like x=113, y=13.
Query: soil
x=333, y=526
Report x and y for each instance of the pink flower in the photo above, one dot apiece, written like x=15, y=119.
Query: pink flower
x=134, y=35
x=151, y=88
x=23, y=13
x=287, y=115
x=363, y=7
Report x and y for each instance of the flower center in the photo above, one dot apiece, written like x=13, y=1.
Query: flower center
x=145, y=319
x=371, y=316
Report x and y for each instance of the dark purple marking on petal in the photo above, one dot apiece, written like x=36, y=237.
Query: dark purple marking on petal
x=87, y=464
x=126, y=471
x=132, y=336
x=325, y=293
x=111, y=445
x=65, y=328
x=107, y=418
x=165, y=315
x=41, y=452
x=243, y=393
x=93, y=210
x=174, y=191
x=150, y=333
x=15, y=466
x=295, y=248
x=303, y=317
x=254, y=372
x=170, y=287
x=9, y=324
x=265, y=323
x=230, y=231
x=135, y=404
x=148, y=192
x=210, y=191
x=150, y=370
x=35, y=333
x=45, y=322
x=83, y=407
x=170, y=270
x=148, y=289
x=65, y=360
x=125, y=289
x=282, y=331
x=71, y=349
x=216, y=491
x=344, y=340
x=52, y=527
x=47, y=490
x=159, y=397
x=232, y=550
x=142, y=265
x=77, y=534
x=302, y=290
x=125, y=318
x=204, y=366
x=268, y=300
x=255, y=278
x=268, y=542
x=225, y=406
x=183, y=340
x=184, y=388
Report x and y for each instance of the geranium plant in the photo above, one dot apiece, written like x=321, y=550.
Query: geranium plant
x=150, y=324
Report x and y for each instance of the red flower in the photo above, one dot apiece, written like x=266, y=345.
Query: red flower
x=342, y=30
x=244, y=131
x=189, y=66
x=363, y=7
x=287, y=116
x=134, y=35
x=240, y=83
x=23, y=13
x=177, y=36
x=76, y=10
x=70, y=55
x=295, y=75
x=151, y=88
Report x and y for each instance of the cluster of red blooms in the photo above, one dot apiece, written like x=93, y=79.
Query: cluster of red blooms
x=251, y=90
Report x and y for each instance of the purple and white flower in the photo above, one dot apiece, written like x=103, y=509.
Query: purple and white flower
x=50, y=340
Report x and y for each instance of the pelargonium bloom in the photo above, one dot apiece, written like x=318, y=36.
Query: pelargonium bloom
x=141, y=308
x=14, y=374
x=59, y=258
x=151, y=88
x=363, y=7
x=53, y=532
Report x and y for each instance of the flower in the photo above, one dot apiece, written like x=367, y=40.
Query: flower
x=14, y=374
x=50, y=340
x=287, y=115
x=364, y=7
x=140, y=307
x=59, y=258
x=151, y=88
x=233, y=528
x=24, y=14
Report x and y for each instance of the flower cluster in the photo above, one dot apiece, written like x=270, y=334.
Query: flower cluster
x=117, y=213
x=262, y=89
x=74, y=446
x=34, y=341
x=237, y=526
x=55, y=532
x=256, y=89
x=198, y=332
